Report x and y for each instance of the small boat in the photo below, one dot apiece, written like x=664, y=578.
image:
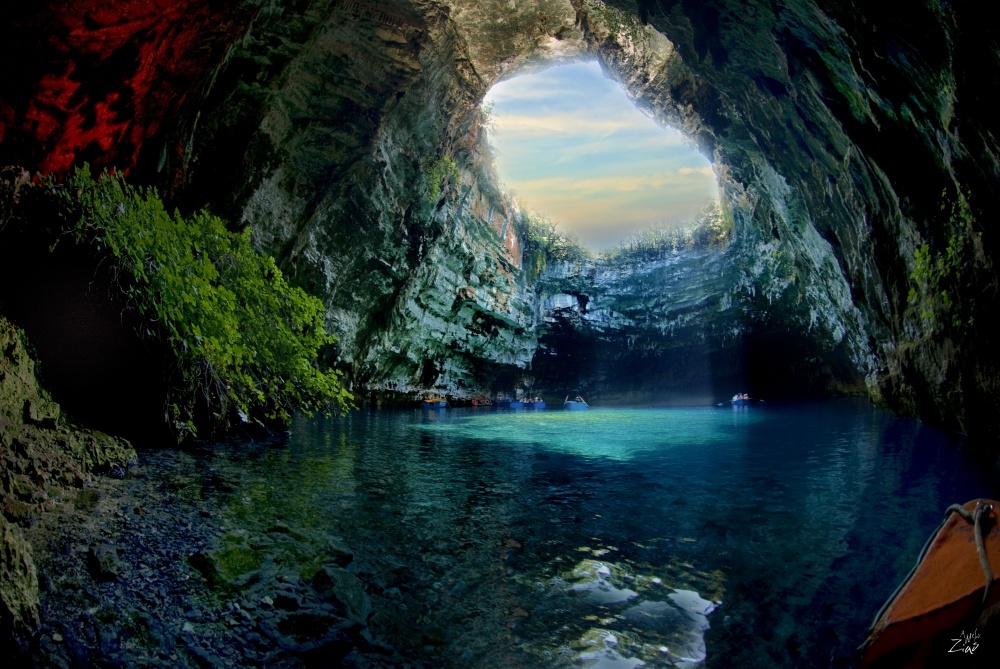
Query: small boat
x=537, y=404
x=511, y=404
x=434, y=403
x=744, y=401
x=575, y=405
x=952, y=589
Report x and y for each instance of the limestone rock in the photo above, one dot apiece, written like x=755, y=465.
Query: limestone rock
x=41, y=411
x=18, y=582
x=39, y=458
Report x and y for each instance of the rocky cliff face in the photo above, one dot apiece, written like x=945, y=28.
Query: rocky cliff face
x=648, y=330
x=857, y=139
x=372, y=186
x=854, y=145
x=689, y=325
x=42, y=460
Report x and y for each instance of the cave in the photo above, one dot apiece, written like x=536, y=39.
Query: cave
x=833, y=168
x=855, y=151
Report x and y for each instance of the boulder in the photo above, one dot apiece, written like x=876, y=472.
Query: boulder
x=103, y=562
x=345, y=591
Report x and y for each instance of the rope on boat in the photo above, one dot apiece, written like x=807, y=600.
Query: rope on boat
x=976, y=518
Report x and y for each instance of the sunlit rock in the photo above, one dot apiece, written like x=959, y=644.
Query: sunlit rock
x=601, y=581
x=600, y=650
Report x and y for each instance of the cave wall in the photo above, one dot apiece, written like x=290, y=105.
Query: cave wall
x=854, y=145
x=857, y=144
x=664, y=328
x=677, y=326
x=375, y=190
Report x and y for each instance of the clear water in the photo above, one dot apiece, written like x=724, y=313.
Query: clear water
x=618, y=538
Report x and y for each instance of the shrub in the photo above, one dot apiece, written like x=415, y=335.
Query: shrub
x=944, y=284
x=439, y=174
x=712, y=229
x=246, y=342
x=544, y=242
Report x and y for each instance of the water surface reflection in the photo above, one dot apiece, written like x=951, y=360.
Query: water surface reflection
x=617, y=538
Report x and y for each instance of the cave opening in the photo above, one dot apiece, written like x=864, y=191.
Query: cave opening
x=650, y=323
x=574, y=148
x=628, y=324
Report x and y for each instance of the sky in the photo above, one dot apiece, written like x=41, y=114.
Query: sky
x=571, y=145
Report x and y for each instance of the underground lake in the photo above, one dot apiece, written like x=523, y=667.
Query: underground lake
x=658, y=537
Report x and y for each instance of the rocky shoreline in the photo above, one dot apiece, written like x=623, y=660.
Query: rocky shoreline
x=43, y=460
x=108, y=563
x=141, y=571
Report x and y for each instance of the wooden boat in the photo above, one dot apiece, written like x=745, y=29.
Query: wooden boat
x=434, y=403
x=575, y=405
x=952, y=590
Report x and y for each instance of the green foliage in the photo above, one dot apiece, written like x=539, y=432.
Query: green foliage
x=244, y=339
x=487, y=113
x=235, y=561
x=438, y=173
x=943, y=284
x=544, y=242
x=712, y=229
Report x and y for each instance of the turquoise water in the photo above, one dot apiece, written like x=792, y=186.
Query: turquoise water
x=618, y=538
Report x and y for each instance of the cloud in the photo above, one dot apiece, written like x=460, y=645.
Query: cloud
x=695, y=171
x=568, y=124
x=572, y=145
x=682, y=178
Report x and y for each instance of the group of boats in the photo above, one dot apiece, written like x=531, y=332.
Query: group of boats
x=575, y=404
x=507, y=403
x=504, y=402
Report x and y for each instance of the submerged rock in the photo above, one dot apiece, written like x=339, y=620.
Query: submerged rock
x=345, y=591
